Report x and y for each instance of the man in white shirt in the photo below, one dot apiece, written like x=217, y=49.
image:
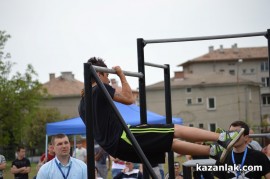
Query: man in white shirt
x=62, y=166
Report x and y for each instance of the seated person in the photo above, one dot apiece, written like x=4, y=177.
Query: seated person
x=177, y=173
x=129, y=172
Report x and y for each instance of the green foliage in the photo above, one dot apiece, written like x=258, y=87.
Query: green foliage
x=21, y=120
x=36, y=130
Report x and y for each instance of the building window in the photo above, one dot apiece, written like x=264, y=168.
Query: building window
x=188, y=90
x=199, y=100
x=222, y=70
x=201, y=125
x=232, y=72
x=252, y=70
x=266, y=99
x=244, y=71
x=265, y=81
x=189, y=101
x=212, y=127
x=264, y=66
x=191, y=125
x=211, y=103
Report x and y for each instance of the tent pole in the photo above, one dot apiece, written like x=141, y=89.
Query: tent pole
x=46, y=146
x=74, y=146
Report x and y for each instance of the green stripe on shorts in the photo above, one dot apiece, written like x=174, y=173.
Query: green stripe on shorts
x=145, y=130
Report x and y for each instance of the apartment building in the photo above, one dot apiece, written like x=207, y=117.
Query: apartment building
x=217, y=88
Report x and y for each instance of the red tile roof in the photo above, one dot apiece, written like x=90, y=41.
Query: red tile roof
x=234, y=53
x=65, y=85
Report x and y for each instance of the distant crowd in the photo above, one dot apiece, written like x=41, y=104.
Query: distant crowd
x=61, y=164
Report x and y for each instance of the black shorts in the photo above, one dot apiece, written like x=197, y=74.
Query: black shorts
x=155, y=140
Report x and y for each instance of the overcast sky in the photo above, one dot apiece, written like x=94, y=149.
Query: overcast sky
x=60, y=35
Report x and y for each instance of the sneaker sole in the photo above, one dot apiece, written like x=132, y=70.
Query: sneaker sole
x=230, y=146
x=223, y=156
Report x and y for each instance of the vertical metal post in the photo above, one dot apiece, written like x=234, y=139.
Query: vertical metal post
x=140, y=51
x=168, y=107
x=268, y=39
x=142, y=93
x=187, y=172
x=89, y=122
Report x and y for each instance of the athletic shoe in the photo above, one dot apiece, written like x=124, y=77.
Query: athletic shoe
x=219, y=130
x=227, y=140
x=216, y=151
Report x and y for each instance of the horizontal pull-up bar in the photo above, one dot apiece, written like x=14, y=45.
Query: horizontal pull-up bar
x=155, y=65
x=267, y=135
x=127, y=73
x=205, y=38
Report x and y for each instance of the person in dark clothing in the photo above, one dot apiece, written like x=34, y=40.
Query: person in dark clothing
x=243, y=162
x=109, y=133
x=21, y=166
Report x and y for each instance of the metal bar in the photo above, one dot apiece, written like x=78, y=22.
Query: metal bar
x=121, y=120
x=127, y=73
x=155, y=65
x=168, y=108
x=205, y=38
x=267, y=135
x=192, y=163
x=89, y=122
x=268, y=40
x=143, y=110
x=187, y=172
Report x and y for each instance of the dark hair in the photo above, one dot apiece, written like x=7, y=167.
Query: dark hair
x=57, y=136
x=242, y=125
x=20, y=147
x=96, y=61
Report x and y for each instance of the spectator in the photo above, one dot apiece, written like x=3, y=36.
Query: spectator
x=50, y=155
x=63, y=165
x=177, y=173
x=101, y=161
x=161, y=170
x=266, y=151
x=129, y=172
x=244, y=157
x=21, y=166
x=43, y=159
x=80, y=152
x=253, y=144
x=2, y=166
x=117, y=166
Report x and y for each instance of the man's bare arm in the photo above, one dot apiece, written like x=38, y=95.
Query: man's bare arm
x=125, y=96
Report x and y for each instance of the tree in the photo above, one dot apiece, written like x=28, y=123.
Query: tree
x=20, y=96
x=36, y=127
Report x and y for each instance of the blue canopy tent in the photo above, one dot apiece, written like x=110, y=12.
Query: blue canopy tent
x=130, y=113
